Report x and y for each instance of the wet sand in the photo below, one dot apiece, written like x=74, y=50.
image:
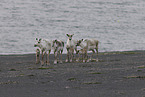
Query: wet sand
x=117, y=74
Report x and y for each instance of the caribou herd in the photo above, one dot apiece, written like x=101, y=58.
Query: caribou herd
x=45, y=46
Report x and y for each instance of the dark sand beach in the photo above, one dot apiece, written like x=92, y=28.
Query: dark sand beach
x=117, y=74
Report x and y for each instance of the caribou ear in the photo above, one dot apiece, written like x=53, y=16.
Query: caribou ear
x=55, y=40
x=82, y=39
x=72, y=35
x=40, y=39
x=67, y=35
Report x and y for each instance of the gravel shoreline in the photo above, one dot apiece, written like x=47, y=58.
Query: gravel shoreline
x=117, y=74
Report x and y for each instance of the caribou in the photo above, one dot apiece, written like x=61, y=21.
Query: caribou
x=57, y=46
x=44, y=46
x=71, y=46
x=88, y=45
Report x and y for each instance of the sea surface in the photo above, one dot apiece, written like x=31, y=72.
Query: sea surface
x=119, y=25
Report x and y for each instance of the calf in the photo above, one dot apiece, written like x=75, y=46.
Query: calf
x=70, y=46
x=58, y=46
x=45, y=47
x=88, y=45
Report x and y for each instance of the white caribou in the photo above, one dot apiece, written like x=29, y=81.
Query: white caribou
x=45, y=48
x=71, y=46
x=88, y=45
x=57, y=46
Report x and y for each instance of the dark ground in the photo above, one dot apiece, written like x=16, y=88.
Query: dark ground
x=117, y=74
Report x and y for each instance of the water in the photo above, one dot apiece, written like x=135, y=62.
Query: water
x=119, y=25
